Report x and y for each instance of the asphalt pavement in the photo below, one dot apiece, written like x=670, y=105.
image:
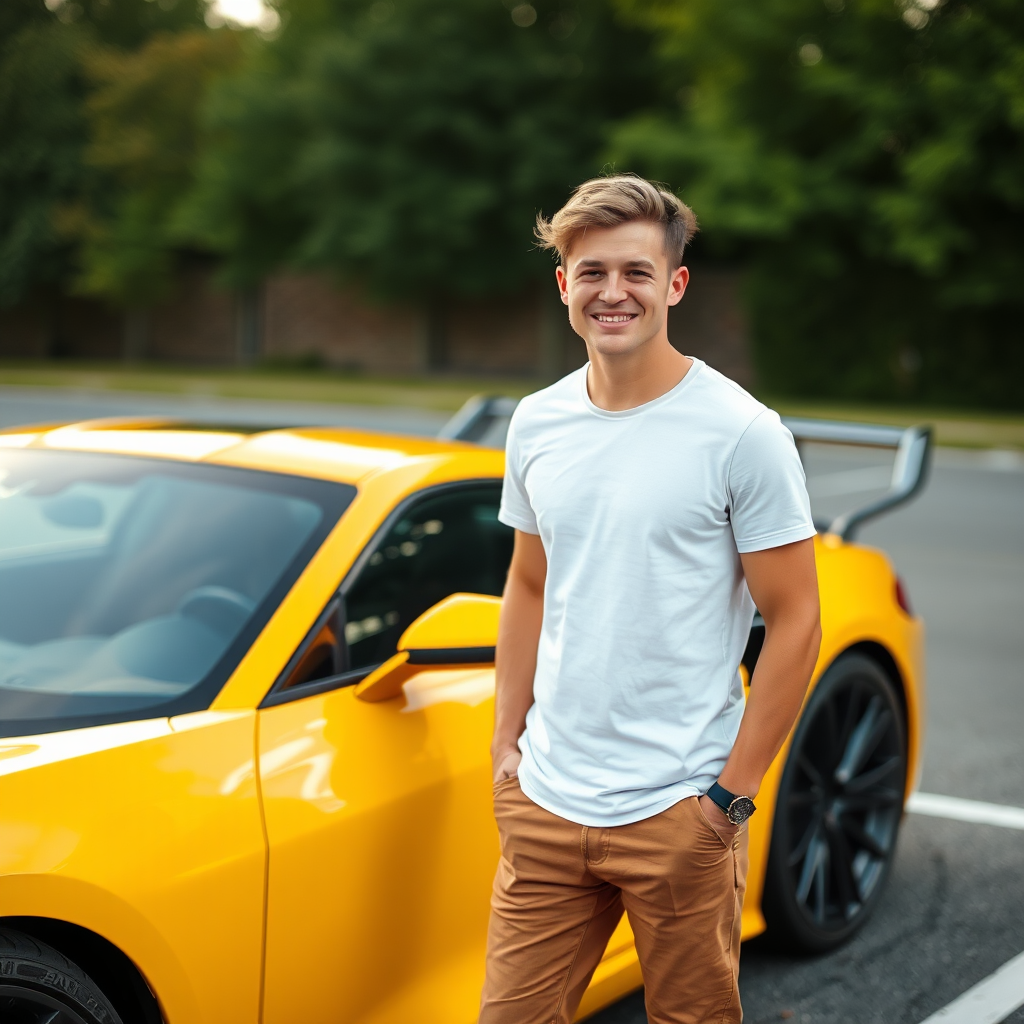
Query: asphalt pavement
x=954, y=909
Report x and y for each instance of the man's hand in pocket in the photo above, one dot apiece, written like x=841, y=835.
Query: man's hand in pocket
x=506, y=764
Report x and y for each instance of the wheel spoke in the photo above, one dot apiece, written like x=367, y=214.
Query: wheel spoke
x=821, y=885
x=805, y=799
x=876, y=800
x=800, y=850
x=862, y=782
x=850, y=718
x=863, y=839
x=881, y=727
x=810, y=771
x=849, y=895
x=863, y=740
x=815, y=851
x=30, y=1006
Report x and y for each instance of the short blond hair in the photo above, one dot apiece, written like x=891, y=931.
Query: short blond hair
x=618, y=199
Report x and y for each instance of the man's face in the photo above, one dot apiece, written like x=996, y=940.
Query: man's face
x=618, y=286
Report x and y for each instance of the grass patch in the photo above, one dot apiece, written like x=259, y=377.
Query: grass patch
x=288, y=384
x=957, y=427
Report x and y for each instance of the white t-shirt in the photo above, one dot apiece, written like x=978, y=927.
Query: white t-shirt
x=642, y=514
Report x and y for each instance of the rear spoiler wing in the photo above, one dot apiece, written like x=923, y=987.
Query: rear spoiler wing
x=484, y=420
x=913, y=446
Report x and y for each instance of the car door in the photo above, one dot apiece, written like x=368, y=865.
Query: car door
x=382, y=844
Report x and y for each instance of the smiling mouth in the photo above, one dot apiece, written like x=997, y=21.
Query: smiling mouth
x=614, y=318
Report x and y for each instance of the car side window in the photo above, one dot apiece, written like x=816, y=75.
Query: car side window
x=446, y=543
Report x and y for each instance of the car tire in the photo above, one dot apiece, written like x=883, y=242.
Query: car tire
x=38, y=984
x=838, y=809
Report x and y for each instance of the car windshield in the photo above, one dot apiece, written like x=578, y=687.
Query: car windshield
x=131, y=587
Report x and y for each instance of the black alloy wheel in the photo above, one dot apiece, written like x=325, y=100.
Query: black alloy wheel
x=26, y=1006
x=839, y=808
x=38, y=985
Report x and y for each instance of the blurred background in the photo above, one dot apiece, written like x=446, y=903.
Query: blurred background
x=340, y=188
x=322, y=210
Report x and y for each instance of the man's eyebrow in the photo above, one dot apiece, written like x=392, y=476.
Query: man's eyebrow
x=628, y=263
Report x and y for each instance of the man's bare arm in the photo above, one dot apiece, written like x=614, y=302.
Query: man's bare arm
x=784, y=585
x=522, y=610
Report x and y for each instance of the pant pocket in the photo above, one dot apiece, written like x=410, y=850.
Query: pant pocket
x=725, y=839
x=506, y=783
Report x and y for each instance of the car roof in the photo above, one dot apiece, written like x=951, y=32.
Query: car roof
x=333, y=453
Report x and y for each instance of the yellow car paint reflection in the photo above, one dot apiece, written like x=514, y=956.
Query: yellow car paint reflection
x=309, y=855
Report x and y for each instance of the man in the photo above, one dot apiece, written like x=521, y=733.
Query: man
x=655, y=503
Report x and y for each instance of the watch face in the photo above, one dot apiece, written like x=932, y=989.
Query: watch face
x=740, y=809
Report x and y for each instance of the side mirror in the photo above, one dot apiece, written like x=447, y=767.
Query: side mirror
x=461, y=630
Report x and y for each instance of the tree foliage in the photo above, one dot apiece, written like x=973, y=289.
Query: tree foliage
x=42, y=132
x=126, y=24
x=866, y=161
x=409, y=144
x=143, y=113
x=863, y=160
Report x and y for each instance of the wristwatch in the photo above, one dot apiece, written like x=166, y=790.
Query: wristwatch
x=737, y=808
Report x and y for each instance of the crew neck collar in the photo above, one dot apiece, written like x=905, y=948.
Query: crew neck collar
x=621, y=414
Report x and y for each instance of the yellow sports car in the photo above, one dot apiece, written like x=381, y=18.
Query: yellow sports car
x=245, y=699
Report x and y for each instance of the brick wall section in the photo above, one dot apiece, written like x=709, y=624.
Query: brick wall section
x=195, y=323
x=709, y=323
x=303, y=315
x=66, y=327
x=306, y=315
x=495, y=335
x=88, y=330
x=24, y=333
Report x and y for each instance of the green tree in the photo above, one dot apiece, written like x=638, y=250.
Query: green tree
x=43, y=127
x=126, y=24
x=409, y=144
x=144, y=138
x=42, y=132
x=866, y=160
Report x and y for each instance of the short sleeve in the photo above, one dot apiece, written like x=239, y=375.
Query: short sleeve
x=769, y=506
x=515, y=510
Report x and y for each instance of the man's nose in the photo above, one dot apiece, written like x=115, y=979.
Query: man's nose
x=614, y=289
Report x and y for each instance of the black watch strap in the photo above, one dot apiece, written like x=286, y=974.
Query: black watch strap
x=737, y=808
x=721, y=796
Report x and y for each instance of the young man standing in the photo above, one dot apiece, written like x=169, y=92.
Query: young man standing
x=655, y=503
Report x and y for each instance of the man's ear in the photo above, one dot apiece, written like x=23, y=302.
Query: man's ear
x=563, y=285
x=677, y=285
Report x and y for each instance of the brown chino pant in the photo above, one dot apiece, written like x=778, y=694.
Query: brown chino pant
x=560, y=890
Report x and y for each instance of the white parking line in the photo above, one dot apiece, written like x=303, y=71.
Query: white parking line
x=966, y=810
x=990, y=1001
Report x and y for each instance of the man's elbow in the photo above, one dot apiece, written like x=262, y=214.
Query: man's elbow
x=800, y=623
x=526, y=586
